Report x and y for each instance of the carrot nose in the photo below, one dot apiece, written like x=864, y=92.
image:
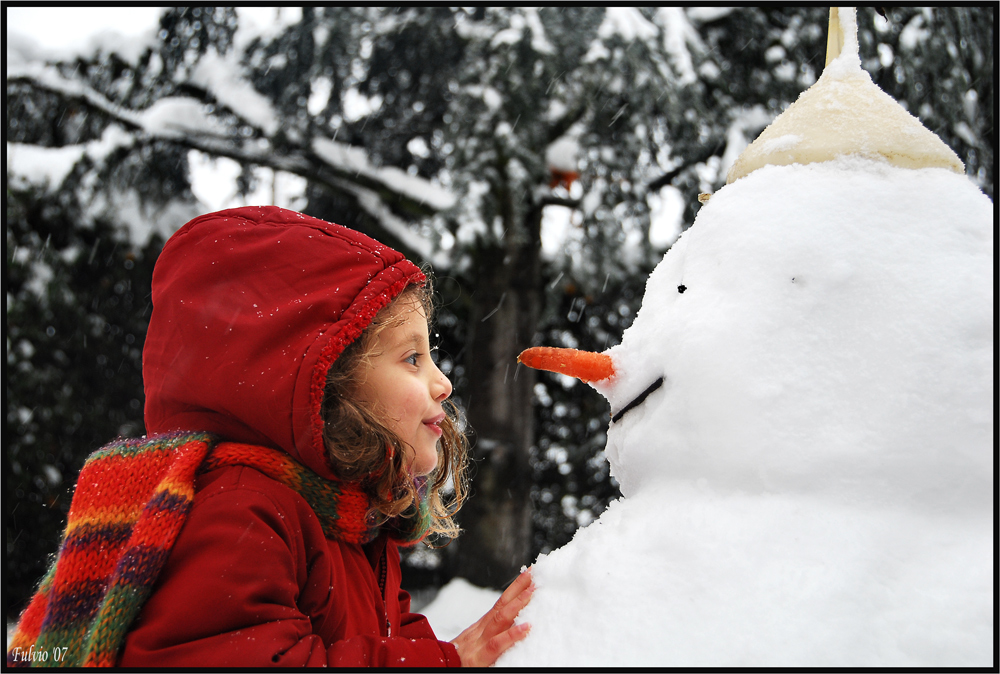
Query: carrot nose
x=584, y=365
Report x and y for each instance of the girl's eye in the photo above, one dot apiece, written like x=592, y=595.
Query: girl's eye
x=412, y=358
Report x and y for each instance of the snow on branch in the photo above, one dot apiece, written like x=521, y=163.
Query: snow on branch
x=678, y=35
x=224, y=80
x=184, y=120
x=374, y=206
x=47, y=78
x=349, y=159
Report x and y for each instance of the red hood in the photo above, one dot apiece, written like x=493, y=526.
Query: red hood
x=251, y=306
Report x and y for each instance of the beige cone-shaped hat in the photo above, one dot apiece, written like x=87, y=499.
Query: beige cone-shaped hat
x=845, y=113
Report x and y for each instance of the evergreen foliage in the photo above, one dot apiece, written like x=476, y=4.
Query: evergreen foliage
x=77, y=311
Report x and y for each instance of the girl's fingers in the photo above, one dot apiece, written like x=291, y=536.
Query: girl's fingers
x=514, y=598
x=501, y=642
x=482, y=643
x=515, y=605
x=521, y=583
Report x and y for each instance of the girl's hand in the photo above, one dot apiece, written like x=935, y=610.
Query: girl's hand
x=491, y=635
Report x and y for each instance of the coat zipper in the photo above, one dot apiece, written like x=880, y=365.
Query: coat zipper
x=381, y=584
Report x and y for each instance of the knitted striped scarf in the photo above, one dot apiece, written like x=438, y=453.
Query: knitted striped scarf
x=131, y=500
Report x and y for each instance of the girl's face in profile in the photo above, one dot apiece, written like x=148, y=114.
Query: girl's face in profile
x=402, y=381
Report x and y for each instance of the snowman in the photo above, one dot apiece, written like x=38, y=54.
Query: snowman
x=801, y=415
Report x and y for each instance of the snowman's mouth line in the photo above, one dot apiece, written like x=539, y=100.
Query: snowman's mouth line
x=637, y=400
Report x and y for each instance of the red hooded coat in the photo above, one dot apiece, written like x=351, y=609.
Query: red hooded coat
x=251, y=306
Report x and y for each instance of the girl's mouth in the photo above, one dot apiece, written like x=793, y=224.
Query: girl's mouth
x=434, y=424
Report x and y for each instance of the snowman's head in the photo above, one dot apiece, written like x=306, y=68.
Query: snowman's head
x=820, y=329
x=802, y=334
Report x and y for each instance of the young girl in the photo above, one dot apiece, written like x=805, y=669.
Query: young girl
x=299, y=432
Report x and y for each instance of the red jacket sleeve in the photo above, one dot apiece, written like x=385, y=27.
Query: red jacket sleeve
x=251, y=582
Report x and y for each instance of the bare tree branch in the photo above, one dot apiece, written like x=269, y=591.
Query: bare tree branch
x=703, y=156
x=551, y=200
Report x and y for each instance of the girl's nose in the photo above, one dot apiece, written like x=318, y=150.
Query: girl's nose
x=440, y=386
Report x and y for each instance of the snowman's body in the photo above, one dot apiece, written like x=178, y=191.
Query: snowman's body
x=812, y=483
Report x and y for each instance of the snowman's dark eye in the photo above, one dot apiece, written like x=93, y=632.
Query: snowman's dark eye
x=637, y=400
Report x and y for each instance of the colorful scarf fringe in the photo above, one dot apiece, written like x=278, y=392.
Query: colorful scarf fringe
x=131, y=501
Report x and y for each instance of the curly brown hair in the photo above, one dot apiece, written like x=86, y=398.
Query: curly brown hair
x=363, y=450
